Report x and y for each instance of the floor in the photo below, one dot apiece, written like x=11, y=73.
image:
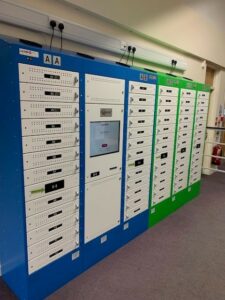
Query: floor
x=182, y=258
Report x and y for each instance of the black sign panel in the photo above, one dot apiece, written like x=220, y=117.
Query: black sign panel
x=164, y=155
x=53, y=142
x=54, y=186
x=94, y=174
x=51, y=76
x=139, y=162
x=53, y=126
x=52, y=93
x=54, y=156
x=52, y=109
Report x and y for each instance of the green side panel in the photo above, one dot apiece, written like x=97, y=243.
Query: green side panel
x=186, y=195
x=186, y=84
x=170, y=205
x=160, y=212
x=204, y=87
x=168, y=80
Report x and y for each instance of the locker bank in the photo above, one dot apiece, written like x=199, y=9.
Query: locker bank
x=112, y=150
x=94, y=153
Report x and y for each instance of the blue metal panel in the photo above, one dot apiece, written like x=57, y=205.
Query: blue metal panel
x=13, y=228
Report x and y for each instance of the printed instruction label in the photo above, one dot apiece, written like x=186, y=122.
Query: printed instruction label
x=27, y=52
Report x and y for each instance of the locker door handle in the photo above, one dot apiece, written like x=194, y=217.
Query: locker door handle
x=55, y=214
x=55, y=200
x=55, y=253
x=75, y=81
x=55, y=227
x=55, y=240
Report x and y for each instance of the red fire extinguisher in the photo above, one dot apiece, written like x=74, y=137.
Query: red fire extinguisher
x=217, y=151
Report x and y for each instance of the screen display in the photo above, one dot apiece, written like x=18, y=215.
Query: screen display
x=104, y=137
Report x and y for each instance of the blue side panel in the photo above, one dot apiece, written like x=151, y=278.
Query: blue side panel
x=12, y=225
x=44, y=282
x=134, y=227
x=13, y=228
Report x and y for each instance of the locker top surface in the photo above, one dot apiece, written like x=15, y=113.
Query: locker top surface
x=177, y=81
x=203, y=87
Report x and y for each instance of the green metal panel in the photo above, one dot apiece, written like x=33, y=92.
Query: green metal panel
x=167, y=207
x=160, y=211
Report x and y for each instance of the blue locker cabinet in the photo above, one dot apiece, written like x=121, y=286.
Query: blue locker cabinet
x=75, y=157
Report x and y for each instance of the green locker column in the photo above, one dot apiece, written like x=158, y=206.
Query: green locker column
x=200, y=122
x=186, y=117
x=163, y=147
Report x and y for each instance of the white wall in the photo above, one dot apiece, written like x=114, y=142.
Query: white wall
x=71, y=13
x=217, y=98
x=195, y=26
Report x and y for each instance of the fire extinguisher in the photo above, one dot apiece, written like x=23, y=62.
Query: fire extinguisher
x=217, y=151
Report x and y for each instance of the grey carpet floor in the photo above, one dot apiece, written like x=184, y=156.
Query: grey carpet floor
x=182, y=258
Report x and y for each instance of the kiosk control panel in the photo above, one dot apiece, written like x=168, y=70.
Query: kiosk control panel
x=103, y=153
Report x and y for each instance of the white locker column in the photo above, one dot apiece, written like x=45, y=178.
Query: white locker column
x=199, y=136
x=184, y=137
x=139, y=147
x=164, y=143
x=50, y=133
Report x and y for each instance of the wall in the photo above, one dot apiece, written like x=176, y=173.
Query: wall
x=66, y=11
x=195, y=26
x=217, y=98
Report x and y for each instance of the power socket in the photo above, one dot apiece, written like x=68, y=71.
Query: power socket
x=57, y=20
